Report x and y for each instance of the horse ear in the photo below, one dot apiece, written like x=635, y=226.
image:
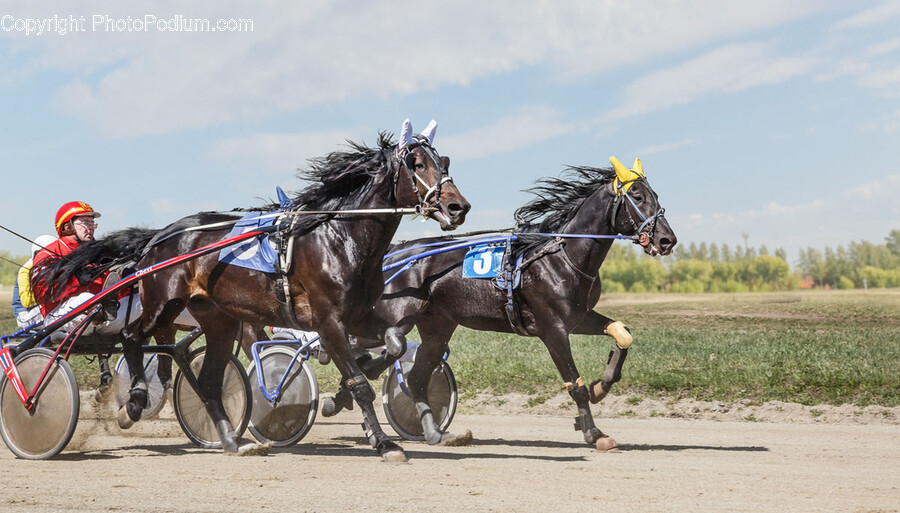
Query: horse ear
x=446, y=162
x=638, y=167
x=406, y=134
x=622, y=172
x=429, y=131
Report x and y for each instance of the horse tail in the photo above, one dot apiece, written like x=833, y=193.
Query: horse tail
x=90, y=260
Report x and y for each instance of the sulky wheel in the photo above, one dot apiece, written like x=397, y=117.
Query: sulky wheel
x=191, y=412
x=155, y=389
x=288, y=420
x=400, y=409
x=46, y=430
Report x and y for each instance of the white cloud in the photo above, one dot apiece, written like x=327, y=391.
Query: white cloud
x=528, y=126
x=885, y=12
x=276, y=154
x=729, y=69
x=866, y=212
x=662, y=148
x=318, y=52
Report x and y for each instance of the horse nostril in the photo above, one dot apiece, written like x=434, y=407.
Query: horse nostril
x=666, y=244
x=457, y=208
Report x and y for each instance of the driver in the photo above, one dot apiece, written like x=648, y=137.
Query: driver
x=75, y=225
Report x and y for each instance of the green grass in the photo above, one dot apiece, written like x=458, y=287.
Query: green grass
x=806, y=347
x=810, y=347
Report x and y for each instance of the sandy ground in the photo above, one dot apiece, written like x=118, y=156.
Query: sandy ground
x=521, y=460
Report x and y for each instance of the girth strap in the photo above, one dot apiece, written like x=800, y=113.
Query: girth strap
x=512, y=311
x=282, y=284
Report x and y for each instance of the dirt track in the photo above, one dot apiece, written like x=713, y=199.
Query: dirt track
x=516, y=463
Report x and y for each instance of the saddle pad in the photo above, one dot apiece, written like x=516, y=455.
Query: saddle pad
x=484, y=261
x=256, y=253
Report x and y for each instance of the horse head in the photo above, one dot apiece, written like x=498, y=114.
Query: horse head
x=430, y=186
x=637, y=210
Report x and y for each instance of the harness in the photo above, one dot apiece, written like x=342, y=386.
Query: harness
x=403, y=158
x=643, y=236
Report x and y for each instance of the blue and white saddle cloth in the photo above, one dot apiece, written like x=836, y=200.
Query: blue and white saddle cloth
x=484, y=261
x=257, y=253
x=489, y=261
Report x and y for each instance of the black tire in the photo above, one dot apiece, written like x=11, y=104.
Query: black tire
x=44, y=432
x=287, y=422
x=155, y=389
x=191, y=412
x=400, y=409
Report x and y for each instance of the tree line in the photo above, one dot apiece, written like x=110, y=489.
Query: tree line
x=721, y=268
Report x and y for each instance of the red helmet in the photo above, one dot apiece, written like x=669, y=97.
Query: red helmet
x=70, y=210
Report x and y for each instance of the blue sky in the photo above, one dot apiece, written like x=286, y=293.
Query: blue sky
x=778, y=119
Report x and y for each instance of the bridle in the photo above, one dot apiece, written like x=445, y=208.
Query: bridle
x=405, y=158
x=643, y=233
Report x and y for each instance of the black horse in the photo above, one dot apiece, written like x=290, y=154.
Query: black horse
x=559, y=284
x=330, y=283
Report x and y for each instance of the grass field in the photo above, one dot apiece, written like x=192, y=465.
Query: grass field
x=808, y=347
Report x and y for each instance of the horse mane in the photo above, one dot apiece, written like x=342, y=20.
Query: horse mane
x=96, y=256
x=556, y=201
x=336, y=180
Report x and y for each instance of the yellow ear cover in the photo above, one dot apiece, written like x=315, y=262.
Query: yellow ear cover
x=625, y=175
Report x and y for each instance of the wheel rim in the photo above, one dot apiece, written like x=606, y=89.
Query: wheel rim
x=287, y=422
x=155, y=391
x=192, y=414
x=400, y=409
x=46, y=430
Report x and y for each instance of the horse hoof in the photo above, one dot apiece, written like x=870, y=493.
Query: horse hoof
x=395, y=456
x=606, y=444
x=331, y=406
x=123, y=419
x=457, y=441
x=102, y=393
x=253, y=450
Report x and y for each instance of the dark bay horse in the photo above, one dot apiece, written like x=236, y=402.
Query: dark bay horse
x=558, y=290
x=332, y=284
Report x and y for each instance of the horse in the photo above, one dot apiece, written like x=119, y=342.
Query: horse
x=564, y=236
x=336, y=232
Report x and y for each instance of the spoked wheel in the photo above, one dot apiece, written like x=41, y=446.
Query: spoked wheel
x=289, y=420
x=155, y=389
x=46, y=430
x=400, y=409
x=191, y=412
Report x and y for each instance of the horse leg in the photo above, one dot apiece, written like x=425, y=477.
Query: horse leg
x=557, y=343
x=220, y=331
x=435, y=333
x=165, y=337
x=247, y=335
x=377, y=332
x=131, y=411
x=597, y=324
x=106, y=377
x=334, y=339
x=375, y=327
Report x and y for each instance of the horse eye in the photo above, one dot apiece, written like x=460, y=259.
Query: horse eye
x=420, y=166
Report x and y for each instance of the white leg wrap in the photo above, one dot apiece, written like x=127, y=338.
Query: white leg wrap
x=617, y=331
